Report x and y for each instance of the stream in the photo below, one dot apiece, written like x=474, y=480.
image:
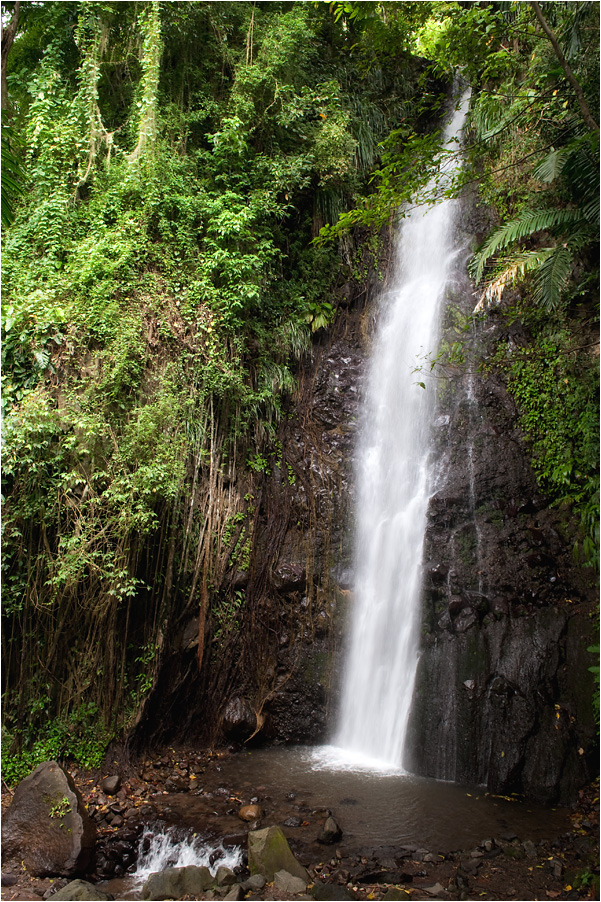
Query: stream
x=382, y=813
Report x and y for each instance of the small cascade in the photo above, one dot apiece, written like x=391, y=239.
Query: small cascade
x=170, y=848
x=393, y=487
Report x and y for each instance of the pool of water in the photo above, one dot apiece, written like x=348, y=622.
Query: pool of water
x=380, y=810
x=384, y=807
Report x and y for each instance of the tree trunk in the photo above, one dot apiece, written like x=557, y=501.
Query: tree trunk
x=584, y=109
x=8, y=37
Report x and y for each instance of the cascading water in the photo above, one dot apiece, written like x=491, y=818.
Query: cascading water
x=393, y=488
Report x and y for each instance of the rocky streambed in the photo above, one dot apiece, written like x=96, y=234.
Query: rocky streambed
x=207, y=804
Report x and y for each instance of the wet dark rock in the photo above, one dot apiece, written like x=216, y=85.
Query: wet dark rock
x=110, y=785
x=239, y=719
x=456, y=604
x=293, y=821
x=465, y=620
x=8, y=879
x=175, y=883
x=330, y=832
x=288, y=577
x=329, y=892
x=175, y=783
x=47, y=825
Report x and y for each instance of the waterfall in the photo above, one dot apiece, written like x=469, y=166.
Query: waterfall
x=393, y=485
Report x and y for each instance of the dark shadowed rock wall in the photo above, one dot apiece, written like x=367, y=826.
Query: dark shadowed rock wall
x=503, y=693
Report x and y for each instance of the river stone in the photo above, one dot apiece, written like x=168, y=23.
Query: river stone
x=225, y=876
x=330, y=832
x=269, y=852
x=436, y=890
x=250, y=813
x=173, y=883
x=325, y=892
x=81, y=889
x=289, y=884
x=254, y=883
x=395, y=894
x=47, y=825
x=234, y=894
x=111, y=785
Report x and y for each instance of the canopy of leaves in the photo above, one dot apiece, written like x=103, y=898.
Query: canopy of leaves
x=159, y=288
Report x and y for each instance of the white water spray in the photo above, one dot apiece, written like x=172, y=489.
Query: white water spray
x=392, y=490
x=160, y=849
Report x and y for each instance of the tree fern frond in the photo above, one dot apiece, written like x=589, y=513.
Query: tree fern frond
x=552, y=277
x=552, y=165
x=528, y=223
x=513, y=270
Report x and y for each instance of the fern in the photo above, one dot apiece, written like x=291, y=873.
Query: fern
x=527, y=224
x=552, y=277
x=514, y=269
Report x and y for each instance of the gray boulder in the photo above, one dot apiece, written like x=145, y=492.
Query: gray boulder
x=225, y=876
x=47, y=825
x=173, y=883
x=81, y=889
x=269, y=852
x=289, y=884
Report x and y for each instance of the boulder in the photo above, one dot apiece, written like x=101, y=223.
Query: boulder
x=110, y=785
x=174, y=883
x=225, y=876
x=47, y=825
x=239, y=719
x=81, y=889
x=288, y=884
x=269, y=852
x=330, y=832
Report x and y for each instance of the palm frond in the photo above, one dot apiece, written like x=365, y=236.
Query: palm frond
x=527, y=223
x=552, y=277
x=552, y=165
x=514, y=269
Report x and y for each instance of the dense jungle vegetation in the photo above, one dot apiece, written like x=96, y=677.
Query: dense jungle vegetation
x=185, y=188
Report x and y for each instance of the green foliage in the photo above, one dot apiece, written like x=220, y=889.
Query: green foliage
x=79, y=738
x=557, y=394
x=159, y=290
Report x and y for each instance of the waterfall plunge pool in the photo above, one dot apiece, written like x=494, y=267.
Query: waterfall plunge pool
x=382, y=806
x=381, y=812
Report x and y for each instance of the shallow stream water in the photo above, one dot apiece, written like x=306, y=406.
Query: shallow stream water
x=380, y=812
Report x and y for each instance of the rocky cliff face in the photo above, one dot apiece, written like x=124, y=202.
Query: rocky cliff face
x=503, y=690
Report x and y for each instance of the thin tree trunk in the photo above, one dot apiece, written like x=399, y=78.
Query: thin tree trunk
x=584, y=109
x=8, y=37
